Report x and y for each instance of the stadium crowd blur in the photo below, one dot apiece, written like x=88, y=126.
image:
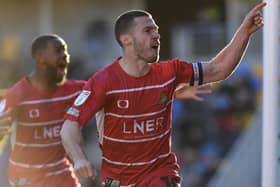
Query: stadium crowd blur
x=204, y=132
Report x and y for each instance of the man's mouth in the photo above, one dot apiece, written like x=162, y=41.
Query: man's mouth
x=62, y=69
x=156, y=46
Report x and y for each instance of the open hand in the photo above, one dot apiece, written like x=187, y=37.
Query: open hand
x=192, y=92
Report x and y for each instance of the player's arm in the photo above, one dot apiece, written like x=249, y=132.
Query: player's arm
x=72, y=141
x=191, y=92
x=5, y=123
x=220, y=67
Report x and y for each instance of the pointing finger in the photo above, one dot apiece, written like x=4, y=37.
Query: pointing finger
x=259, y=6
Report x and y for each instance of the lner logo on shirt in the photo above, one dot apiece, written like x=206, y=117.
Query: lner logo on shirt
x=144, y=127
x=47, y=132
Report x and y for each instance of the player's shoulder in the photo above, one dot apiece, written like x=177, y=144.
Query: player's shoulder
x=106, y=73
x=165, y=63
x=74, y=83
x=18, y=90
x=20, y=86
x=171, y=61
x=175, y=62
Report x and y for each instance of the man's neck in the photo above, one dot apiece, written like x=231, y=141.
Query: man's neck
x=39, y=81
x=134, y=67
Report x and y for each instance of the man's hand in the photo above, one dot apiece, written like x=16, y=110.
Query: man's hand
x=192, y=92
x=5, y=123
x=71, y=137
x=83, y=168
x=254, y=20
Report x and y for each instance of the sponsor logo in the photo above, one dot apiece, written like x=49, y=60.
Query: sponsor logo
x=73, y=111
x=122, y=103
x=82, y=97
x=2, y=105
x=144, y=126
x=47, y=132
x=34, y=113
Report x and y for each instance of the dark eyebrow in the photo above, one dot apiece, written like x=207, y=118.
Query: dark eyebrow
x=151, y=27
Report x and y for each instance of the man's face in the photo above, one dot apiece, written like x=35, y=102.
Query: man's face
x=146, y=39
x=56, y=60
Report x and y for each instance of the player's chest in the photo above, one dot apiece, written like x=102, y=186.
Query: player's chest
x=141, y=98
x=40, y=109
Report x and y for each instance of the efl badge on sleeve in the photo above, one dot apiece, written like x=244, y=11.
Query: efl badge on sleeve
x=82, y=97
x=2, y=105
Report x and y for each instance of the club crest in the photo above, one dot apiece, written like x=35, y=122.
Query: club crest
x=163, y=98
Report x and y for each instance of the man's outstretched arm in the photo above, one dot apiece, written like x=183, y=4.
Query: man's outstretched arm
x=220, y=67
x=72, y=141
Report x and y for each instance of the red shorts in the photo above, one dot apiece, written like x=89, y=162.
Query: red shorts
x=28, y=177
x=163, y=177
x=162, y=173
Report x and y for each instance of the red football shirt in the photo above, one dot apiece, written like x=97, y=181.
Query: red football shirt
x=38, y=116
x=133, y=116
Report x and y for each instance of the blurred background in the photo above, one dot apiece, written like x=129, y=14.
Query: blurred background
x=218, y=141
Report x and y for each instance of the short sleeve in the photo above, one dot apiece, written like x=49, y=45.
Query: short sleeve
x=188, y=73
x=3, y=105
x=89, y=101
x=11, y=99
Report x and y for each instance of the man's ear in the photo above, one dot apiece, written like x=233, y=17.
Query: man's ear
x=39, y=57
x=125, y=39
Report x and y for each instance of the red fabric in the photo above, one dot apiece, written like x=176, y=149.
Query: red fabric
x=163, y=177
x=34, y=179
x=39, y=115
x=133, y=117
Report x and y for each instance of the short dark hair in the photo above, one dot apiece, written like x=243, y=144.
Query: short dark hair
x=125, y=21
x=41, y=42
